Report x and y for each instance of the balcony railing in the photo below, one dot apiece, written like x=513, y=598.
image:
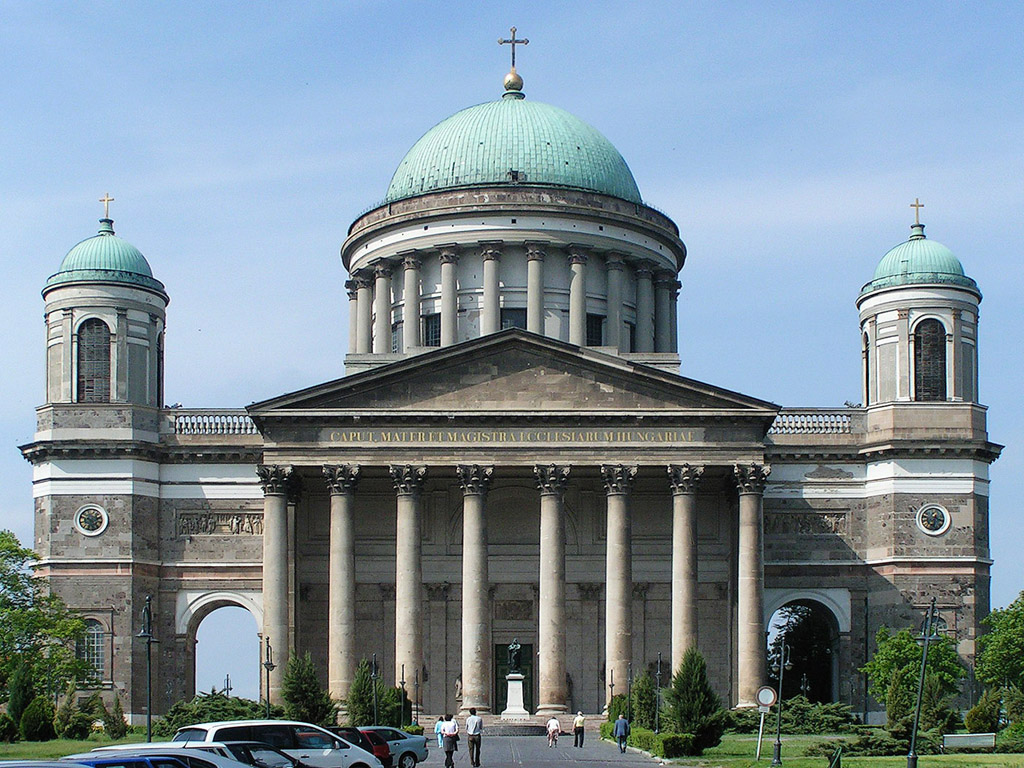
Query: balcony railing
x=211, y=422
x=812, y=421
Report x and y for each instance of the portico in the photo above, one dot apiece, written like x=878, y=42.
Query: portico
x=588, y=491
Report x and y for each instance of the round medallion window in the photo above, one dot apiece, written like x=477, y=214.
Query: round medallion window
x=933, y=519
x=91, y=520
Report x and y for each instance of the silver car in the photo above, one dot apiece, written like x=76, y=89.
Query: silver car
x=406, y=749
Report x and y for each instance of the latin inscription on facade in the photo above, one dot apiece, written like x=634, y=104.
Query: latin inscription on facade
x=219, y=524
x=512, y=436
x=806, y=523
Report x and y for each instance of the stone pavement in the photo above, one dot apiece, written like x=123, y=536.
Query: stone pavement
x=516, y=751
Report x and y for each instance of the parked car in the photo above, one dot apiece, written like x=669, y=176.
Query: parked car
x=193, y=755
x=309, y=743
x=41, y=764
x=406, y=749
x=260, y=755
x=381, y=749
x=126, y=760
x=352, y=734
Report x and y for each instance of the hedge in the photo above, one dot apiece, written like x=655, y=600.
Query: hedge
x=657, y=744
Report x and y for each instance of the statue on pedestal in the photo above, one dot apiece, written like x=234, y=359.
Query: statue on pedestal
x=515, y=656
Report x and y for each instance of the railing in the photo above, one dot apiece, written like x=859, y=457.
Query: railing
x=812, y=421
x=211, y=422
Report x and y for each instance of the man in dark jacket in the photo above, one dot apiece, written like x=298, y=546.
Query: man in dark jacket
x=621, y=731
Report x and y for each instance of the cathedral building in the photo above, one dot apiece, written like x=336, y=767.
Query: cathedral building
x=512, y=453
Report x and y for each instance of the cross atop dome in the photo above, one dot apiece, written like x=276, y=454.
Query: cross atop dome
x=513, y=82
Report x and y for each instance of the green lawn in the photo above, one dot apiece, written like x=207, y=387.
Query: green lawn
x=737, y=751
x=37, y=750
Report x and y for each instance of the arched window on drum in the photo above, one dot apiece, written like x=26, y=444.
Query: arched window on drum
x=929, y=361
x=92, y=648
x=93, y=362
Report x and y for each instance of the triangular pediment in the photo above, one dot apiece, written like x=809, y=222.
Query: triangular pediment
x=514, y=371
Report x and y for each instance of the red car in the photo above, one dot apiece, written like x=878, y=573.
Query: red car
x=381, y=750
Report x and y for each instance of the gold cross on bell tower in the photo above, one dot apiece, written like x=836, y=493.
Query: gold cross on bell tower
x=513, y=42
x=917, y=205
x=106, y=200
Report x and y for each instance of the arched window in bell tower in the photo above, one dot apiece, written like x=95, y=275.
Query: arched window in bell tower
x=929, y=361
x=93, y=362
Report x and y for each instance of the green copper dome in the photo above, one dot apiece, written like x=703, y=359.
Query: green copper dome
x=105, y=257
x=513, y=141
x=916, y=261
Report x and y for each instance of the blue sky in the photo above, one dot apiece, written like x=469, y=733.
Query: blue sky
x=240, y=139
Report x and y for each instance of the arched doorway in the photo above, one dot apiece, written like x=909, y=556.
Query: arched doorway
x=811, y=631
x=222, y=631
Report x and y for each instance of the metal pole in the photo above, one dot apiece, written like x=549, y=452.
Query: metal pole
x=270, y=666
x=629, y=692
x=415, y=696
x=783, y=661
x=657, y=697
x=401, y=716
x=146, y=633
x=912, y=754
x=373, y=679
x=611, y=687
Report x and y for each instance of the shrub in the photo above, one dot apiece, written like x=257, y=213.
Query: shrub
x=745, y=720
x=677, y=745
x=983, y=717
x=37, y=720
x=606, y=730
x=65, y=712
x=899, y=702
x=8, y=730
x=413, y=729
x=210, y=707
x=113, y=721
x=876, y=743
x=937, y=713
x=645, y=701
x=658, y=744
x=1013, y=704
x=21, y=691
x=78, y=727
x=1011, y=739
x=305, y=699
x=618, y=705
x=692, y=706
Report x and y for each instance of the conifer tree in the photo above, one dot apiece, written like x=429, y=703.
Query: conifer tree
x=692, y=706
x=113, y=722
x=359, y=703
x=21, y=691
x=645, y=701
x=304, y=698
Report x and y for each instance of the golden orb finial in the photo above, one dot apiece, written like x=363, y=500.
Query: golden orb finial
x=513, y=82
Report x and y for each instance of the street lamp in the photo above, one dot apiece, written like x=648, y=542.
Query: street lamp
x=373, y=682
x=779, y=668
x=629, y=692
x=657, y=697
x=146, y=633
x=270, y=666
x=416, y=697
x=926, y=637
x=401, y=717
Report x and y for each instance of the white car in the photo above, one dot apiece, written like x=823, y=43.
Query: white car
x=313, y=745
x=194, y=755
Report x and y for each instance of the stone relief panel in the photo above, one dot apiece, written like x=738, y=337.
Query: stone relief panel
x=835, y=523
x=218, y=524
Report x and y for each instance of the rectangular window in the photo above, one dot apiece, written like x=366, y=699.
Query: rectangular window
x=513, y=318
x=396, y=338
x=595, y=330
x=432, y=330
x=631, y=329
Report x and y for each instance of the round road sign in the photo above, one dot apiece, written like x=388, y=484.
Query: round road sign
x=766, y=696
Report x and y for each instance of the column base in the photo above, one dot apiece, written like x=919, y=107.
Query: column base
x=547, y=710
x=481, y=709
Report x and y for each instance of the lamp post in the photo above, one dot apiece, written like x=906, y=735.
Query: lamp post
x=657, y=697
x=611, y=686
x=925, y=638
x=805, y=686
x=415, y=696
x=783, y=664
x=629, y=692
x=373, y=682
x=146, y=633
x=401, y=717
x=270, y=666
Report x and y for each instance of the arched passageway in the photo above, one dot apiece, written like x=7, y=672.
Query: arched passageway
x=811, y=631
x=226, y=650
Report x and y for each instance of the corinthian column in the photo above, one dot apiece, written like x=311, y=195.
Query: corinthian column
x=449, y=297
x=613, y=265
x=578, y=297
x=684, y=479
x=353, y=313
x=382, y=309
x=490, y=314
x=364, y=313
x=411, y=302
x=476, y=624
x=644, y=308
x=663, y=311
x=275, y=481
x=535, y=288
x=552, y=693
x=341, y=601
x=618, y=641
x=750, y=481
x=408, y=482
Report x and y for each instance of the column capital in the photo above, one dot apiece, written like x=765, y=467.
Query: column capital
x=411, y=260
x=438, y=591
x=618, y=478
x=590, y=590
x=551, y=478
x=341, y=478
x=475, y=479
x=352, y=287
x=363, y=279
x=491, y=251
x=615, y=260
x=536, y=251
x=578, y=254
x=640, y=589
x=957, y=314
x=644, y=269
x=274, y=478
x=383, y=269
x=449, y=254
x=408, y=478
x=684, y=478
x=751, y=478
x=664, y=278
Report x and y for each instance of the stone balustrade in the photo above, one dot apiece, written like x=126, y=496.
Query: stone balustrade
x=813, y=421
x=194, y=421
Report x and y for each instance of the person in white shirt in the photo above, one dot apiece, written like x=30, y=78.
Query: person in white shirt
x=554, y=728
x=450, y=736
x=474, y=730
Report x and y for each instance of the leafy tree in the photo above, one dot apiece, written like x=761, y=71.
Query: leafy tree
x=21, y=690
x=1013, y=704
x=114, y=724
x=898, y=701
x=645, y=701
x=210, y=707
x=8, y=730
x=983, y=717
x=899, y=654
x=618, y=705
x=937, y=713
x=37, y=720
x=35, y=626
x=692, y=706
x=1000, y=661
x=304, y=698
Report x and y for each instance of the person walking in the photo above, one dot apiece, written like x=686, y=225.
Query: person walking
x=474, y=730
x=577, y=729
x=450, y=735
x=621, y=732
x=437, y=732
x=554, y=728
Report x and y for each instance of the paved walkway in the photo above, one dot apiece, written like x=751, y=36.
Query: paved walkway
x=515, y=751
